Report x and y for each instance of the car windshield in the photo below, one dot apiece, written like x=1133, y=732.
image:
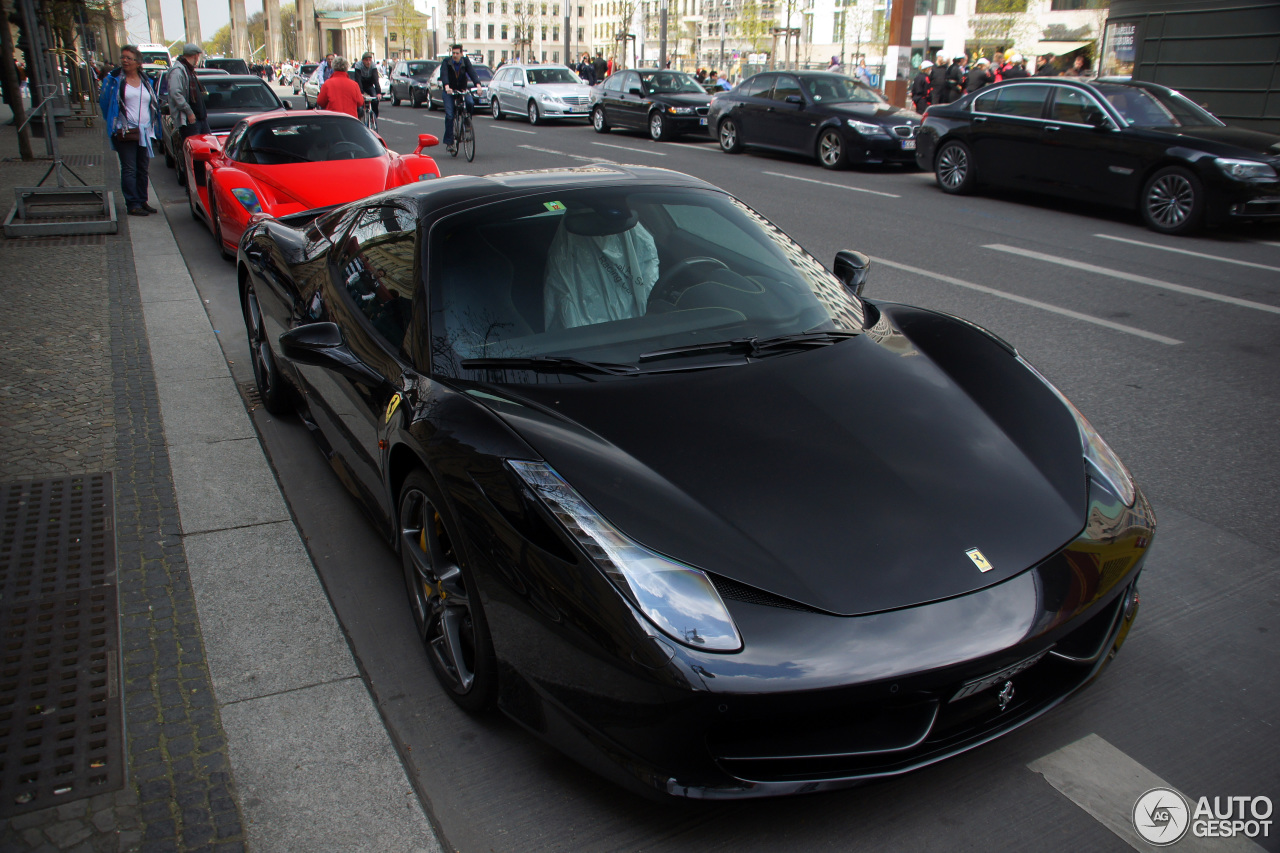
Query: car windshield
x=670, y=83
x=232, y=66
x=419, y=68
x=622, y=277
x=483, y=72
x=834, y=89
x=1146, y=108
x=154, y=57
x=309, y=140
x=237, y=96
x=538, y=76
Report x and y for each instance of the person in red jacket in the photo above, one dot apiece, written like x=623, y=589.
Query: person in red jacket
x=340, y=93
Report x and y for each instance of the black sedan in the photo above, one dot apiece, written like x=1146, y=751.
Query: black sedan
x=815, y=113
x=678, y=499
x=1119, y=142
x=410, y=80
x=664, y=103
x=227, y=98
x=479, y=94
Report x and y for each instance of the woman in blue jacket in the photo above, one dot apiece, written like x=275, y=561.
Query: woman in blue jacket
x=131, y=110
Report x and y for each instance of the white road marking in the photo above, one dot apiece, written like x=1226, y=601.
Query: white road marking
x=514, y=129
x=566, y=154
x=1137, y=279
x=833, y=186
x=1106, y=783
x=1187, y=252
x=1268, y=243
x=393, y=121
x=625, y=148
x=1044, y=306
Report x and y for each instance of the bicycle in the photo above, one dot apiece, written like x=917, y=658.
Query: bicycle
x=367, y=115
x=464, y=134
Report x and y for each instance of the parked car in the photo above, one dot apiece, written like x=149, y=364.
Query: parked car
x=160, y=76
x=659, y=481
x=229, y=65
x=1117, y=142
x=228, y=98
x=538, y=92
x=311, y=93
x=286, y=164
x=663, y=103
x=304, y=72
x=819, y=114
x=479, y=94
x=410, y=80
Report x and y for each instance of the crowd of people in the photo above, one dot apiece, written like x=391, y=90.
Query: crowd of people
x=950, y=78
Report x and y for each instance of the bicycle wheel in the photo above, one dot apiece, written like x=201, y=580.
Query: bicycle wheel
x=468, y=139
x=457, y=133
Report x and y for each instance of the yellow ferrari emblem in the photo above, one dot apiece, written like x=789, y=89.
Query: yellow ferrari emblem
x=391, y=408
x=983, y=564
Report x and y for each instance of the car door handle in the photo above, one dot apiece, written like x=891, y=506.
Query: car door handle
x=1051, y=128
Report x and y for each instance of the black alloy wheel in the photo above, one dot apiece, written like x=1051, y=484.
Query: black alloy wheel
x=495, y=109
x=659, y=130
x=181, y=170
x=730, y=141
x=1173, y=201
x=395, y=99
x=415, y=101
x=954, y=168
x=270, y=390
x=833, y=153
x=598, y=119
x=191, y=204
x=446, y=609
x=168, y=155
x=535, y=115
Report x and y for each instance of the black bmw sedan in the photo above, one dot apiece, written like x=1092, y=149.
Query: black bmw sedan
x=1122, y=143
x=663, y=103
x=411, y=81
x=681, y=501
x=819, y=114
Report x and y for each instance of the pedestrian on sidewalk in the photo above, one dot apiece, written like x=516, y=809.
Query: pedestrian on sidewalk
x=186, y=101
x=921, y=88
x=979, y=76
x=131, y=112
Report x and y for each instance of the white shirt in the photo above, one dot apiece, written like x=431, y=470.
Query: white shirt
x=137, y=108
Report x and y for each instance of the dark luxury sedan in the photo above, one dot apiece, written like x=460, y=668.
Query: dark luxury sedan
x=680, y=500
x=663, y=103
x=1119, y=142
x=819, y=114
x=479, y=94
x=228, y=98
x=410, y=80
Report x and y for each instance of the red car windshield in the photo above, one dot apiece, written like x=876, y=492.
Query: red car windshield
x=308, y=140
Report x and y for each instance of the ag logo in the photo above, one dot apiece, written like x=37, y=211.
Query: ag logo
x=1161, y=816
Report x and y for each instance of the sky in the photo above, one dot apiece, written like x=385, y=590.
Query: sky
x=214, y=14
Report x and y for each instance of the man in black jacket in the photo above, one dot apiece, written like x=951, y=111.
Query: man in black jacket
x=366, y=77
x=1016, y=69
x=457, y=75
x=920, y=87
x=979, y=75
x=938, y=80
x=955, y=79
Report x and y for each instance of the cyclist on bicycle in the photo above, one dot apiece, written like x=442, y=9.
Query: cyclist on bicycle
x=366, y=77
x=457, y=75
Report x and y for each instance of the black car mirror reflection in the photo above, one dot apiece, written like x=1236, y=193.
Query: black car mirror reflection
x=634, y=90
x=795, y=99
x=321, y=344
x=852, y=267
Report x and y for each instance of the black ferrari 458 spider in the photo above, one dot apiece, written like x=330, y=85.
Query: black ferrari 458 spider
x=680, y=500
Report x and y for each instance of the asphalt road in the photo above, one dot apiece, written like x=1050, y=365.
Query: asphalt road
x=1170, y=346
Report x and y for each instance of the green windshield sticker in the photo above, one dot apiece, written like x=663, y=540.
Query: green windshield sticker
x=553, y=205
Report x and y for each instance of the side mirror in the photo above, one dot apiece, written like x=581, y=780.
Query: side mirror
x=795, y=99
x=1097, y=118
x=286, y=105
x=425, y=140
x=518, y=83
x=852, y=267
x=321, y=344
x=634, y=90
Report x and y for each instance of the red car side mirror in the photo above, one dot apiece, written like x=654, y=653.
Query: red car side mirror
x=425, y=140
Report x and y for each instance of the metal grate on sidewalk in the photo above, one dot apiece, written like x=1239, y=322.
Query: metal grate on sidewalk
x=61, y=734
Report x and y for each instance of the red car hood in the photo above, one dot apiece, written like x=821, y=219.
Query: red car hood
x=294, y=187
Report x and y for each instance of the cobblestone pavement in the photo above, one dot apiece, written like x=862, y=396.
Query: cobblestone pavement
x=77, y=395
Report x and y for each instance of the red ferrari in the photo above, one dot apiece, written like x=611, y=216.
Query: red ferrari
x=282, y=163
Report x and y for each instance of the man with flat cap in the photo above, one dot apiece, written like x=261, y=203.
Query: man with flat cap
x=186, y=103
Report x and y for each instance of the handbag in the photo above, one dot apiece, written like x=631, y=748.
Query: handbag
x=130, y=135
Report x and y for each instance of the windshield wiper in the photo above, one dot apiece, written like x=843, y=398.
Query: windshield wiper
x=756, y=346
x=560, y=363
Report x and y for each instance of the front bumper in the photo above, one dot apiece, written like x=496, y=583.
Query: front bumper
x=816, y=701
x=881, y=149
x=553, y=110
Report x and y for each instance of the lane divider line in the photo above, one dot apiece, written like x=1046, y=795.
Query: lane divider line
x=625, y=148
x=1188, y=252
x=1137, y=279
x=567, y=154
x=833, y=186
x=514, y=129
x=1034, y=303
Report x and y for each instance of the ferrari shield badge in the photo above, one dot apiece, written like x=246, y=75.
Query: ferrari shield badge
x=983, y=564
x=391, y=408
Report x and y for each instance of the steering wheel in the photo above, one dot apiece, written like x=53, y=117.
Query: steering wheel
x=666, y=289
x=346, y=148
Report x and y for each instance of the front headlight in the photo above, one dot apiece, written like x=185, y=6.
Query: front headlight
x=866, y=128
x=678, y=599
x=550, y=99
x=1098, y=455
x=248, y=199
x=1245, y=170
x=681, y=111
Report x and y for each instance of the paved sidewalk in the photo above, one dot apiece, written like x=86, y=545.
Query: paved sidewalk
x=245, y=720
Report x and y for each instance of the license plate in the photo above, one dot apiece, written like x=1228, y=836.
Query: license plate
x=908, y=144
x=579, y=109
x=702, y=121
x=980, y=684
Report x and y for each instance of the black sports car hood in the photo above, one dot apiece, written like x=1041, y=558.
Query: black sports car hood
x=1227, y=140
x=853, y=478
